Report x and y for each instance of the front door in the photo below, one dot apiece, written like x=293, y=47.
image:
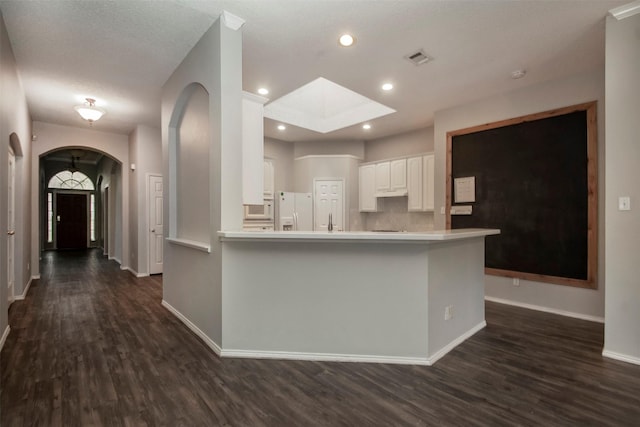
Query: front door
x=155, y=224
x=11, y=226
x=329, y=199
x=71, y=217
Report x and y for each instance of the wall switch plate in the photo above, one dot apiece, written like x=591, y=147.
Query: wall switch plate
x=448, y=312
x=442, y=210
x=516, y=282
x=624, y=203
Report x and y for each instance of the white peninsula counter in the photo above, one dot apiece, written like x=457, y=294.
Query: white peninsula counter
x=351, y=296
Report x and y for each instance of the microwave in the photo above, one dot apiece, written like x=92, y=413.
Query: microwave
x=262, y=212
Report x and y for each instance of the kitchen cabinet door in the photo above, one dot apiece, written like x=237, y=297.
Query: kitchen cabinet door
x=367, y=188
x=383, y=177
x=415, y=183
x=269, y=179
x=398, y=174
x=428, y=183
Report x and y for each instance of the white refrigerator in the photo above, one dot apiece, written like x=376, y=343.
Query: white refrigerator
x=294, y=211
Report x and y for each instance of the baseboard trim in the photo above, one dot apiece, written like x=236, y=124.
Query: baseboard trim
x=547, y=309
x=36, y=277
x=24, y=293
x=135, y=273
x=322, y=357
x=456, y=342
x=621, y=357
x=208, y=341
x=4, y=336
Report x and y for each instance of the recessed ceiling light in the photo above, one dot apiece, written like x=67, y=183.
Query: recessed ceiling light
x=366, y=126
x=346, y=40
x=387, y=86
x=281, y=127
x=518, y=74
x=263, y=91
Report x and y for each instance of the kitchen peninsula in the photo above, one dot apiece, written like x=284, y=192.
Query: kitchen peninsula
x=351, y=296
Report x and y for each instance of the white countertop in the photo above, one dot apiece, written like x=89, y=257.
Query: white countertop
x=423, y=236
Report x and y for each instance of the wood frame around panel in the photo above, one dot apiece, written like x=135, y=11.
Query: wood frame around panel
x=592, y=189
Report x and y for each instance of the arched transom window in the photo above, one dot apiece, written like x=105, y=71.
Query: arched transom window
x=71, y=181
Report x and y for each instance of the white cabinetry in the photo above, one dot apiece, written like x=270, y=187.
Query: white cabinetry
x=428, y=182
x=383, y=176
x=269, y=179
x=252, y=149
x=367, y=188
x=420, y=176
x=398, y=175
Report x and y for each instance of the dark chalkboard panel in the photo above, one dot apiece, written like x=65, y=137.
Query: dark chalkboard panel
x=535, y=180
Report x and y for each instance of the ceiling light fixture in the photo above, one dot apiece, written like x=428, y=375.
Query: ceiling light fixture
x=346, y=40
x=366, y=126
x=263, y=91
x=89, y=111
x=518, y=74
x=281, y=127
x=387, y=86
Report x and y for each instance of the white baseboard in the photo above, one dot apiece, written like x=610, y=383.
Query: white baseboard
x=24, y=293
x=36, y=277
x=547, y=309
x=453, y=344
x=323, y=357
x=208, y=341
x=4, y=336
x=621, y=357
x=135, y=273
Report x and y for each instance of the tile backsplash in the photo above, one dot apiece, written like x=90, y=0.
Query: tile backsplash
x=393, y=215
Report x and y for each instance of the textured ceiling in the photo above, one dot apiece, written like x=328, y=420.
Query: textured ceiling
x=121, y=52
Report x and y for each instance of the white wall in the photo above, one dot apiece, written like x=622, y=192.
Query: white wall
x=307, y=148
x=405, y=144
x=14, y=120
x=576, y=89
x=622, y=311
x=52, y=137
x=281, y=154
x=145, y=151
x=192, y=281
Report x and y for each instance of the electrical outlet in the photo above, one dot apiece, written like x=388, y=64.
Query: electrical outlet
x=516, y=282
x=448, y=312
x=624, y=203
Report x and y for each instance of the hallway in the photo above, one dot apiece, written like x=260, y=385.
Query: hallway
x=91, y=345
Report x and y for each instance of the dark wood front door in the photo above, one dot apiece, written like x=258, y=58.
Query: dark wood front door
x=71, y=211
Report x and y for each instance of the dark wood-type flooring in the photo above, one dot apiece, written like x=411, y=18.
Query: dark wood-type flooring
x=91, y=345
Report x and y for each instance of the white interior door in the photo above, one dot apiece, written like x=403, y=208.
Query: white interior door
x=329, y=199
x=156, y=227
x=11, y=222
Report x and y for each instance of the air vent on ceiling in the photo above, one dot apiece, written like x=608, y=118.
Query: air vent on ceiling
x=419, y=57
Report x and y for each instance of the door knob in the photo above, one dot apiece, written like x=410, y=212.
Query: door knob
x=153, y=230
x=11, y=233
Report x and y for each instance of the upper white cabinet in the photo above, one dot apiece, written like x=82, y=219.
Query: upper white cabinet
x=367, y=194
x=428, y=182
x=420, y=177
x=398, y=174
x=391, y=177
x=383, y=176
x=412, y=177
x=415, y=183
x=269, y=179
x=252, y=149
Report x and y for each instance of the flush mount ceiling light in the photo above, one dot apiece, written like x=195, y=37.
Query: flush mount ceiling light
x=518, y=74
x=346, y=40
x=281, y=127
x=89, y=111
x=366, y=126
x=263, y=91
x=387, y=87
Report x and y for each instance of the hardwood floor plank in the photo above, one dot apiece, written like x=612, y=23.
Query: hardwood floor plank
x=91, y=345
